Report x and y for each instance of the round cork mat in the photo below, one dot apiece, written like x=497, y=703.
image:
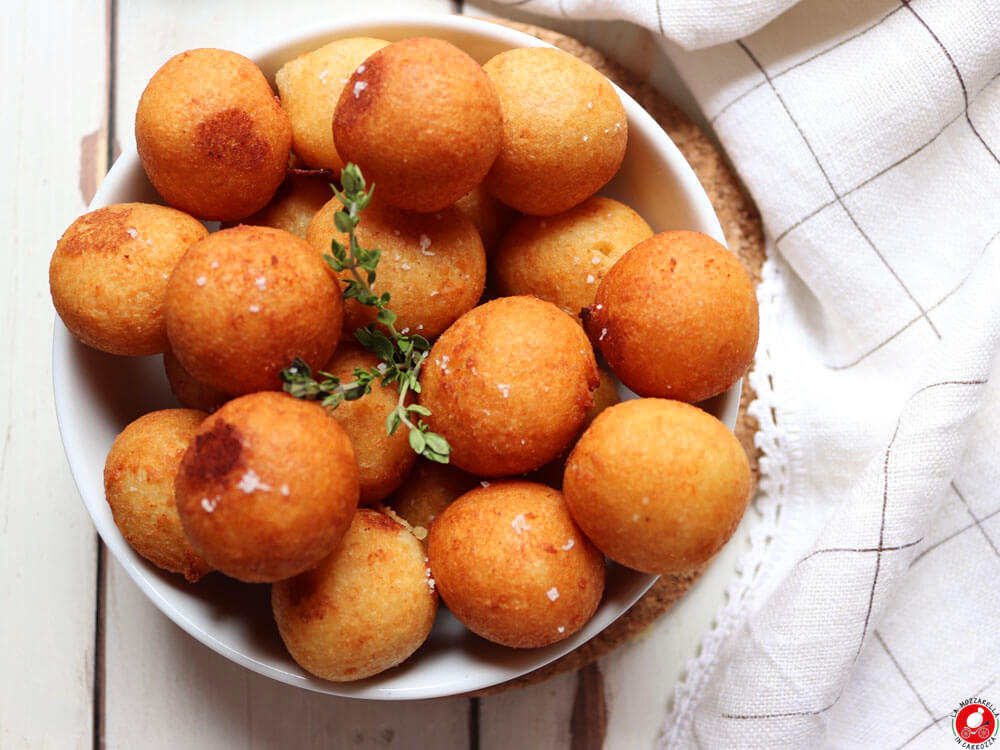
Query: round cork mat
x=745, y=236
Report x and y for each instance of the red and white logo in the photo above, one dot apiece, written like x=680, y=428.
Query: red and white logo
x=975, y=723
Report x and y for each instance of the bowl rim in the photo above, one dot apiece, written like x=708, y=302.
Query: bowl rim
x=313, y=35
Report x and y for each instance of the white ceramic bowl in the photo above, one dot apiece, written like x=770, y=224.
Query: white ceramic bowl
x=97, y=394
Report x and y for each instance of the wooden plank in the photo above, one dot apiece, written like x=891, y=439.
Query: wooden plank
x=164, y=689
x=54, y=58
x=535, y=716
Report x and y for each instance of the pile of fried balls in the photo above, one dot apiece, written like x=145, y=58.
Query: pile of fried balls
x=495, y=248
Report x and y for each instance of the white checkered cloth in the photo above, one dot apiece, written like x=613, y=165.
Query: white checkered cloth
x=868, y=132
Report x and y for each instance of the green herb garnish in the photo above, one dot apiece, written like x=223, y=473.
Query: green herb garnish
x=402, y=356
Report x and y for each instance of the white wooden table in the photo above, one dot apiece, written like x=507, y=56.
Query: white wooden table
x=86, y=660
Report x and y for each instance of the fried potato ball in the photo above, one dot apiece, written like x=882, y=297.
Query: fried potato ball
x=428, y=490
x=383, y=460
x=513, y=567
x=139, y=486
x=509, y=385
x=211, y=135
x=432, y=265
x=108, y=275
x=294, y=205
x=267, y=487
x=676, y=317
x=491, y=217
x=563, y=258
x=244, y=302
x=364, y=609
x=190, y=392
x=310, y=86
x=564, y=130
x=422, y=120
x=657, y=485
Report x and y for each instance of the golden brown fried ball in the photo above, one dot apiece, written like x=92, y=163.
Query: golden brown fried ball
x=244, y=302
x=564, y=130
x=383, y=460
x=513, y=567
x=563, y=258
x=190, y=392
x=310, y=86
x=657, y=485
x=139, y=486
x=268, y=487
x=211, y=135
x=108, y=275
x=428, y=490
x=422, y=120
x=676, y=317
x=509, y=385
x=365, y=609
x=491, y=217
x=294, y=205
x=432, y=265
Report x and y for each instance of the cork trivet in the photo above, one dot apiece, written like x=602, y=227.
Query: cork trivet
x=745, y=236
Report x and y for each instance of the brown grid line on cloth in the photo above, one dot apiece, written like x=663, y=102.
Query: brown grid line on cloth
x=829, y=182
x=785, y=714
x=976, y=521
x=878, y=560
x=838, y=197
x=885, y=496
x=954, y=534
x=799, y=64
x=899, y=668
x=892, y=548
x=884, y=170
x=769, y=79
x=934, y=723
x=933, y=307
x=958, y=74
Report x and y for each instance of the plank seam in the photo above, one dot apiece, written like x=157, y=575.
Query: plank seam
x=99, y=697
x=473, y=723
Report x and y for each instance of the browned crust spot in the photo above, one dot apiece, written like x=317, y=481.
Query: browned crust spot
x=353, y=107
x=228, y=137
x=216, y=452
x=102, y=231
x=376, y=520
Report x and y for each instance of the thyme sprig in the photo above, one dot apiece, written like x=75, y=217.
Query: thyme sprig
x=402, y=356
